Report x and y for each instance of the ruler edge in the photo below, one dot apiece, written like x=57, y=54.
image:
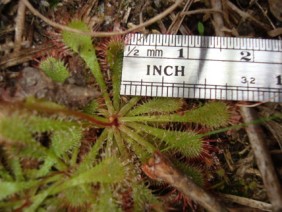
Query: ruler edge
x=128, y=42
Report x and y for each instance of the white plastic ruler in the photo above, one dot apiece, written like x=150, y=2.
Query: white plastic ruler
x=226, y=68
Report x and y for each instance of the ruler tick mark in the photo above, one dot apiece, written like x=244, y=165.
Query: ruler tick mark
x=222, y=66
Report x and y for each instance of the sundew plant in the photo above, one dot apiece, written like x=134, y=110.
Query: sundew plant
x=53, y=157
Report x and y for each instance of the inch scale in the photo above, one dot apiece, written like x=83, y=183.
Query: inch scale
x=225, y=68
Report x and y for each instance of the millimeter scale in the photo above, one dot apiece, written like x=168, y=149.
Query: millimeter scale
x=225, y=68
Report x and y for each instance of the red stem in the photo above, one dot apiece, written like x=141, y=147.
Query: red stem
x=80, y=115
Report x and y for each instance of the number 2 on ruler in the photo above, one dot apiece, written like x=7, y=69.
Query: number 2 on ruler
x=245, y=56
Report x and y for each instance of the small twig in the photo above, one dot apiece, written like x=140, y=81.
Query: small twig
x=141, y=16
x=225, y=12
x=86, y=10
x=199, y=11
x=250, y=105
x=263, y=159
x=264, y=13
x=246, y=16
x=275, y=32
x=19, y=27
x=247, y=202
x=176, y=23
x=218, y=20
x=11, y=45
x=103, y=34
x=7, y=30
x=160, y=168
x=126, y=15
x=24, y=56
x=184, y=29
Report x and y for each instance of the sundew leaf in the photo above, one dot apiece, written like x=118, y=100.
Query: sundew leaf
x=143, y=196
x=92, y=107
x=114, y=56
x=65, y=140
x=138, y=149
x=114, y=51
x=41, y=124
x=193, y=172
x=55, y=69
x=44, y=169
x=32, y=150
x=9, y=188
x=82, y=44
x=39, y=198
x=77, y=197
x=19, y=129
x=14, y=129
x=188, y=143
x=37, y=123
x=109, y=170
x=75, y=40
x=41, y=194
x=15, y=166
x=159, y=105
x=33, y=102
x=90, y=158
x=128, y=106
x=4, y=173
x=213, y=114
x=138, y=138
x=105, y=200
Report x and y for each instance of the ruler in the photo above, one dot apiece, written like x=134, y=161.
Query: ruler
x=225, y=68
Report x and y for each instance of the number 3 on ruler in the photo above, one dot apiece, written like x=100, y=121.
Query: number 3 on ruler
x=245, y=80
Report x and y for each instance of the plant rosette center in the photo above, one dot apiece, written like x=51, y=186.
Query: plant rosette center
x=114, y=120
